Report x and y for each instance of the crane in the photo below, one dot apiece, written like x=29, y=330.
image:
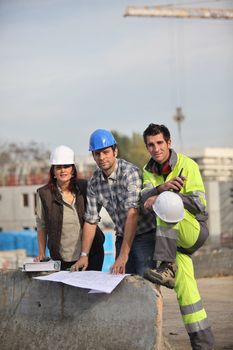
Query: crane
x=178, y=12
x=165, y=11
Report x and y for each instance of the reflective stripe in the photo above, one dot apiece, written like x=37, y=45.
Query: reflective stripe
x=199, y=203
x=147, y=186
x=196, y=194
x=199, y=193
x=166, y=232
x=189, y=309
x=197, y=326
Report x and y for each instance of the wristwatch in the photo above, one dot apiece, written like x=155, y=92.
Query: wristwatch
x=84, y=254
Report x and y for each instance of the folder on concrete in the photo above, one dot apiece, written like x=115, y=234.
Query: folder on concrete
x=51, y=265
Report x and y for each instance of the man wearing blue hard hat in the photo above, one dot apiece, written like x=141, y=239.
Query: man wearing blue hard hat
x=116, y=186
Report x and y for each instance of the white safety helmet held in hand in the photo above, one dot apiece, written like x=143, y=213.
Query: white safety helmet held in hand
x=62, y=155
x=169, y=207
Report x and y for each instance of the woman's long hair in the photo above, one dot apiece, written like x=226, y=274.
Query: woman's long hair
x=52, y=183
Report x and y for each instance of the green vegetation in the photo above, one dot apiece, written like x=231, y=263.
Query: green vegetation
x=132, y=148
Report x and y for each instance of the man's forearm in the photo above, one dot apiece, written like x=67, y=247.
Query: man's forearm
x=129, y=231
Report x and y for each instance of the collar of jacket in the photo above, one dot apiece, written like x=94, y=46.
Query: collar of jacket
x=154, y=167
x=58, y=194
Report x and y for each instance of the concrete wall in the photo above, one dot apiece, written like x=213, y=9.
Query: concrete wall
x=216, y=263
x=42, y=315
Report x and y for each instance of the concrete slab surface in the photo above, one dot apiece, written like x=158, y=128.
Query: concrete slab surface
x=40, y=315
x=217, y=297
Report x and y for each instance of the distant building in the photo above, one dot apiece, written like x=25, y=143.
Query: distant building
x=17, y=201
x=35, y=172
x=86, y=166
x=216, y=166
x=18, y=197
x=17, y=207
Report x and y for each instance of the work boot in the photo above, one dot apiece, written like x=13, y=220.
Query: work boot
x=164, y=275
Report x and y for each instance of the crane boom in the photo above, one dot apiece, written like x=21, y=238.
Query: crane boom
x=165, y=11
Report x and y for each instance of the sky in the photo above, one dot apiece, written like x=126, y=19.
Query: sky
x=68, y=67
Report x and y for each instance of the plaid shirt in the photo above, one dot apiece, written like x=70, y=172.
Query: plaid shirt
x=117, y=193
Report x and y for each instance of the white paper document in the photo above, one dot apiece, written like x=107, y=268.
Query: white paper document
x=97, y=281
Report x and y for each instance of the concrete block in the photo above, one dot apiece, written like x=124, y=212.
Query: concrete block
x=11, y=259
x=38, y=314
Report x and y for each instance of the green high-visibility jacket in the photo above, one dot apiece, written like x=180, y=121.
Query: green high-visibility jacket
x=193, y=191
x=188, y=234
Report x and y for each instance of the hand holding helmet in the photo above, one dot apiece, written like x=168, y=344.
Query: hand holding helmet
x=169, y=207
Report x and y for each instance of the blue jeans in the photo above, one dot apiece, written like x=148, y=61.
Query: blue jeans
x=141, y=253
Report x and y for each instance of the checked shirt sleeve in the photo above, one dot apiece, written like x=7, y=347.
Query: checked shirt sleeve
x=133, y=185
x=92, y=209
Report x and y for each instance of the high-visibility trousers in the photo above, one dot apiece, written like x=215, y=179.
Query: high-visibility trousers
x=186, y=236
x=193, y=313
x=176, y=242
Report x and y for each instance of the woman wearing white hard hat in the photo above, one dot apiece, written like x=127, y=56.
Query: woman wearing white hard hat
x=60, y=208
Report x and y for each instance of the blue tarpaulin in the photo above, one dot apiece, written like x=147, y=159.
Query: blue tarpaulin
x=109, y=252
x=27, y=239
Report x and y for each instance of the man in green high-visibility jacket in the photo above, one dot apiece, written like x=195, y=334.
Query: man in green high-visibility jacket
x=177, y=241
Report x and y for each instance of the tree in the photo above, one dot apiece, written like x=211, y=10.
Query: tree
x=132, y=148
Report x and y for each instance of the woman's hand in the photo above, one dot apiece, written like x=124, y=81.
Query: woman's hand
x=39, y=258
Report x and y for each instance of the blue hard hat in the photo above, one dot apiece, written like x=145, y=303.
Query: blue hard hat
x=101, y=138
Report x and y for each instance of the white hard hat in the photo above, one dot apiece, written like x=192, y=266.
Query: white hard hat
x=169, y=207
x=62, y=155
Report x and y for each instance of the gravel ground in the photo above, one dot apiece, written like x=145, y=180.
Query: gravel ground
x=217, y=297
